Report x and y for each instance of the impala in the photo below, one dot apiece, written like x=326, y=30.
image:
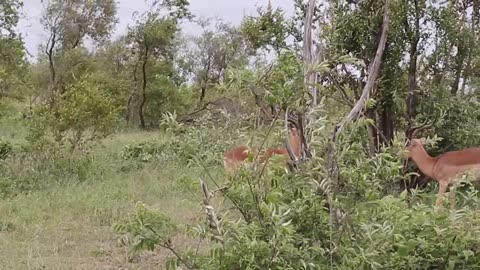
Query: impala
x=236, y=156
x=447, y=168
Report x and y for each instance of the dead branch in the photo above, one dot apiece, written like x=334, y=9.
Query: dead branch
x=214, y=224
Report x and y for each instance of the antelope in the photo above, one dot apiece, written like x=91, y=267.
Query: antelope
x=236, y=156
x=447, y=168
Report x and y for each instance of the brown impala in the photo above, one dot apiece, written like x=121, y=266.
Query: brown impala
x=236, y=156
x=445, y=168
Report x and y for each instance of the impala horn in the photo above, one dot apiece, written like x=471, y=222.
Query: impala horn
x=411, y=132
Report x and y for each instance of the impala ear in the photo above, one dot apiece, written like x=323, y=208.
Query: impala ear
x=423, y=140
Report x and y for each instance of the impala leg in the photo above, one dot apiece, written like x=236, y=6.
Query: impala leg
x=442, y=187
x=451, y=196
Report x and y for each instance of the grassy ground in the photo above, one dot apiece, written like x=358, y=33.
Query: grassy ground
x=69, y=225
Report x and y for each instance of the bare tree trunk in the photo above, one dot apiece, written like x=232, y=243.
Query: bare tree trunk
x=459, y=64
x=310, y=77
x=461, y=55
x=203, y=91
x=387, y=119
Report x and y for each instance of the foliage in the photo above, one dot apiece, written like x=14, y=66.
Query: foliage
x=9, y=16
x=285, y=79
x=153, y=40
x=189, y=145
x=13, y=63
x=269, y=30
x=213, y=52
x=147, y=229
x=70, y=22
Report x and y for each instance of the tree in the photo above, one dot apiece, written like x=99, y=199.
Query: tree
x=153, y=40
x=9, y=17
x=13, y=63
x=214, y=51
x=269, y=30
x=69, y=23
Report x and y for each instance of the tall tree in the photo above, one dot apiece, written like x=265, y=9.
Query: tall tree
x=214, y=51
x=13, y=63
x=69, y=23
x=153, y=40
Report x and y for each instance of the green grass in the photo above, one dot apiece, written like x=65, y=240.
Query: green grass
x=68, y=225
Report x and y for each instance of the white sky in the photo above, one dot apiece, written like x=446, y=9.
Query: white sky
x=228, y=10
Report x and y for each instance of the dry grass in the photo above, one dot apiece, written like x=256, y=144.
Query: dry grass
x=69, y=226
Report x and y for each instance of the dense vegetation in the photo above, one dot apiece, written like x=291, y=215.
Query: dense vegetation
x=104, y=149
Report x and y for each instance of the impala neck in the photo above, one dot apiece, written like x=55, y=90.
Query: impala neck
x=424, y=161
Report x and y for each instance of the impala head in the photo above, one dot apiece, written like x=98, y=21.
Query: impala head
x=412, y=144
x=294, y=138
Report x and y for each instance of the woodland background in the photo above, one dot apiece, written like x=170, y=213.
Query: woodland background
x=102, y=149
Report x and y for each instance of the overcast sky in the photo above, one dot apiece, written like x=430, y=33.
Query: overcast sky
x=228, y=10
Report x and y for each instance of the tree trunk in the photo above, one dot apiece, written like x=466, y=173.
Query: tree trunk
x=412, y=98
x=310, y=77
x=461, y=55
x=49, y=51
x=386, y=118
x=459, y=63
x=203, y=91
x=205, y=79
x=132, y=93
x=144, y=89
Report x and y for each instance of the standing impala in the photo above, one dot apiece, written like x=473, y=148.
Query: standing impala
x=445, y=168
x=236, y=156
